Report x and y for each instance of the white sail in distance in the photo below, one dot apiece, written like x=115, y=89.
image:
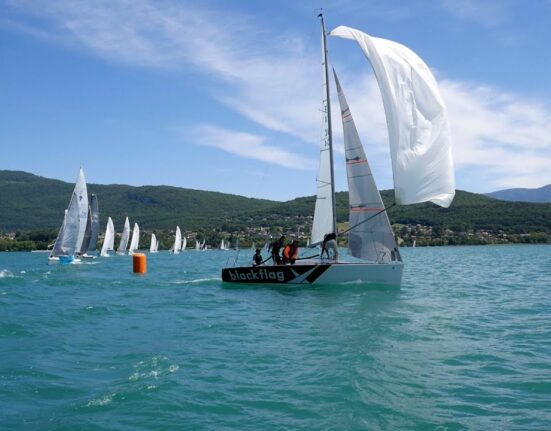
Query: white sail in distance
x=82, y=199
x=124, y=237
x=87, y=234
x=71, y=233
x=324, y=213
x=109, y=238
x=95, y=224
x=417, y=120
x=134, y=243
x=370, y=236
x=153, y=248
x=184, y=243
x=177, y=241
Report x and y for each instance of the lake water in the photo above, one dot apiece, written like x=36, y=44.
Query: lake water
x=465, y=343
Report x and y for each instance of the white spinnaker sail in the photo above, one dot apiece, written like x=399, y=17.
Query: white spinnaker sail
x=153, y=248
x=124, y=237
x=134, y=243
x=83, y=207
x=323, y=213
x=417, y=120
x=370, y=236
x=177, y=241
x=184, y=243
x=95, y=224
x=109, y=239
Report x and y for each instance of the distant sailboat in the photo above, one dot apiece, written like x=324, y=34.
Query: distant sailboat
x=89, y=244
x=109, y=238
x=154, y=247
x=134, y=243
x=177, y=241
x=184, y=243
x=224, y=245
x=71, y=234
x=124, y=237
x=197, y=244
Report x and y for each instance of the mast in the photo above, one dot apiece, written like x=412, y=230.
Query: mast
x=328, y=113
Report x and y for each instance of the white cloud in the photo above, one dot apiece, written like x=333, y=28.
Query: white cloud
x=246, y=145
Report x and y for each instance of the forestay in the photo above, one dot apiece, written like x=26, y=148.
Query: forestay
x=370, y=236
x=417, y=120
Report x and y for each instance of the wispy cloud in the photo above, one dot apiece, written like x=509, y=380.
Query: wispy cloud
x=488, y=13
x=246, y=145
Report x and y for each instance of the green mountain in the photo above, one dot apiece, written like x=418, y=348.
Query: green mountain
x=32, y=202
x=29, y=202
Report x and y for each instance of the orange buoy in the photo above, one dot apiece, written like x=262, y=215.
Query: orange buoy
x=140, y=263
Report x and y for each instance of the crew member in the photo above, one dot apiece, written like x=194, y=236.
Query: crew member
x=275, y=247
x=290, y=252
x=330, y=243
x=257, y=258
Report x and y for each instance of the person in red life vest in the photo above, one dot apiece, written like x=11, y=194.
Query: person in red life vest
x=290, y=252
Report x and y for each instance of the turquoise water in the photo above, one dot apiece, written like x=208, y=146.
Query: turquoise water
x=464, y=344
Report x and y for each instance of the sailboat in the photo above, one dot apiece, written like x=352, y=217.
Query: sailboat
x=134, y=243
x=422, y=165
x=184, y=243
x=89, y=244
x=71, y=234
x=108, y=239
x=124, y=237
x=224, y=245
x=177, y=241
x=154, y=247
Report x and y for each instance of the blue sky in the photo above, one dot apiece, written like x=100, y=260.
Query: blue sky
x=225, y=96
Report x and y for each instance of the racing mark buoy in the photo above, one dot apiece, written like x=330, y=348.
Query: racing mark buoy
x=140, y=263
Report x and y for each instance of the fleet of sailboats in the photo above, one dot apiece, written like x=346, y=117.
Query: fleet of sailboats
x=420, y=148
x=422, y=170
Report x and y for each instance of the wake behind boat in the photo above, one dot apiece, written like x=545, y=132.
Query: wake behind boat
x=422, y=171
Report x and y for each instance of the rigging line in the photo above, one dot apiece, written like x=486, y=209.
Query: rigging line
x=366, y=220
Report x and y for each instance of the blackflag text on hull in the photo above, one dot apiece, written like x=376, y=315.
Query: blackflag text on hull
x=422, y=167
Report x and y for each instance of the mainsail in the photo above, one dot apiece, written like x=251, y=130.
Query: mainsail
x=184, y=243
x=95, y=224
x=83, y=207
x=134, y=243
x=370, y=236
x=87, y=233
x=109, y=239
x=324, y=213
x=124, y=237
x=417, y=120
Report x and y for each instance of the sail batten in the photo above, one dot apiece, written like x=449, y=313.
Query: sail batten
x=417, y=120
